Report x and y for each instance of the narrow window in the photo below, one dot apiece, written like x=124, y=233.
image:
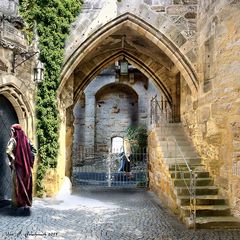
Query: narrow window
x=117, y=144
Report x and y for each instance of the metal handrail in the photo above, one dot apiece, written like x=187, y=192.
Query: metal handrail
x=165, y=108
x=166, y=119
x=192, y=187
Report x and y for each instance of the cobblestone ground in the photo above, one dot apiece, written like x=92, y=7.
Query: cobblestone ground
x=102, y=215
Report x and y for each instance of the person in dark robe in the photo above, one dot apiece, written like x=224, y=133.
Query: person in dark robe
x=20, y=153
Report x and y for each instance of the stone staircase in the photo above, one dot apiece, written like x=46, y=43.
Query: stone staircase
x=212, y=210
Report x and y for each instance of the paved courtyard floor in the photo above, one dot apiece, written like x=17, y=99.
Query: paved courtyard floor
x=102, y=214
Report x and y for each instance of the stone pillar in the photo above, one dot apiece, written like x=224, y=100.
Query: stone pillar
x=176, y=108
x=55, y=177
x=89, y=121
x=69, y=140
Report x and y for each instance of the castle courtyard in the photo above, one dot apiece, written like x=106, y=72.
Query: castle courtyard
x=102, y=214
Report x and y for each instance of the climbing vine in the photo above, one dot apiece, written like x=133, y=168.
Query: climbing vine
x=53, y=19
x=137, y=136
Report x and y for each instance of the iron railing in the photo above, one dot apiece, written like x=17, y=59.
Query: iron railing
x=95, y=168
x=163, y=116
x=161, y=111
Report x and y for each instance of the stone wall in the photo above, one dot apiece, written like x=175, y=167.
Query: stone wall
x=160, y=39
x=111, y=103
x=212, y=118
x=159, y=178
x=166, y=15
x=197, y=41
x=115, y=111
x=16, y=76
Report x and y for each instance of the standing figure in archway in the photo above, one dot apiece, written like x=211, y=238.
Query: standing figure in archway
x=21, y=152
x=125, y=157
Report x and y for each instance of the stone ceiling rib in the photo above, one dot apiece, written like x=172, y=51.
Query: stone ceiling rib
x=147, y=33
x=84, y=78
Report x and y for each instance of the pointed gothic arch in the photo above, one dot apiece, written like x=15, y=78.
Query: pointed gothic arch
x=163, y=60
x=146, y=31
x=21, y=106
x=132, y=60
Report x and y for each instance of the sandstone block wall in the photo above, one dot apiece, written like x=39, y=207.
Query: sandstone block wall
x=213, y=118
x=110, y=105
x=159, y=178
x=16, y=80
x=115, y=111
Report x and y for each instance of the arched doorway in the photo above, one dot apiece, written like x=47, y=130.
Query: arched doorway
x=116, y=109
x=8, y=117
x=127, y=37
x=99, y=129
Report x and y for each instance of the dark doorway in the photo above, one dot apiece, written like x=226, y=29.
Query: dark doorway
x=8, y=117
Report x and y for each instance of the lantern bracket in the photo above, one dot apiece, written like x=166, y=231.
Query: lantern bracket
x=24, y=56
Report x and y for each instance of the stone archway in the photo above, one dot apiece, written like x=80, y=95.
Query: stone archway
x=21, y=106
x=163, y=61
x=156, y=53
x=107, y=100
x=119, y=101
x=14, y=108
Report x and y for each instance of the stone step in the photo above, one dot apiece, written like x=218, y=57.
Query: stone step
x=173, y=147
x=207, y=210
x=199, y=182
x=190, y=153
x=171, y=132
x=184, y=200
x=175, y=124
x=211, y=208
x=171, y=143
x=217, y=222
x=186, y=174
x=182, y=166
x=200, y=190
x=177, y=138
x=186, y=155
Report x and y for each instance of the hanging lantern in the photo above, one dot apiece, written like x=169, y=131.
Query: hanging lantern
x=38, y=72
x=124, y=67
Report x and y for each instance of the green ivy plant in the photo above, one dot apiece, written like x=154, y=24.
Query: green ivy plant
x=53, y=19
x=137, y=136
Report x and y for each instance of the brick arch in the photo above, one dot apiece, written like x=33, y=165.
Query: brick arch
x=20, y=105
x=167, y=45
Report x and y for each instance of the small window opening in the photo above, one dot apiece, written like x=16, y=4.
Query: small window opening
x=117, y=144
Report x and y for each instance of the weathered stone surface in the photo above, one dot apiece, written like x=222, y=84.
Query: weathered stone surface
x=204, y=115
x=9, y=7
x=110, y=108
x=179, y=10
x=163, y=37
x=159, y=180
x=216, y=131
x=3, y=66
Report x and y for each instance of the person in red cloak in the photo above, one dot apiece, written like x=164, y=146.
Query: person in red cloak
x=21, y=158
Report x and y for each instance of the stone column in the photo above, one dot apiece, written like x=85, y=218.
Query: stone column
x=55, y=178
x=89, y=121
x=69, y=140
